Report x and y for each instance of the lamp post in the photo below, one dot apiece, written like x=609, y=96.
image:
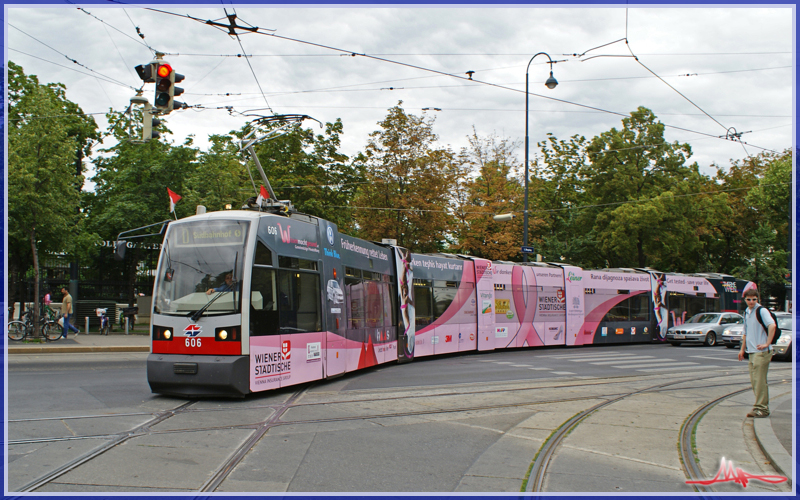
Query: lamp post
x=551, y=84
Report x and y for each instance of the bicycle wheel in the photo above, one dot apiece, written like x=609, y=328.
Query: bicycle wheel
x=16, y=330
x=51, y=330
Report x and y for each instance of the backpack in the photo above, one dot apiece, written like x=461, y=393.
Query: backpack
x=761, y=322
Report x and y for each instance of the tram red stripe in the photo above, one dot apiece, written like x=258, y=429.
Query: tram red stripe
x=208, y=345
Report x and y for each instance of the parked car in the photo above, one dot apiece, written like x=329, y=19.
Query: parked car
x=705, y=328
x=783, y=348
x=732, y=337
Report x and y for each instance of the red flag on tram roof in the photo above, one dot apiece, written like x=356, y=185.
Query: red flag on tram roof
x=262, y=196
x=173, y=199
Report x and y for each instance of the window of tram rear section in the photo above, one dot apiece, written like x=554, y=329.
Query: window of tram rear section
x=431, y=299
x=369, y=299
x=636, y=308
x=685, y=306
x=284, y=300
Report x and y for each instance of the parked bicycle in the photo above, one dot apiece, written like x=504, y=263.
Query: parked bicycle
x=23, y=328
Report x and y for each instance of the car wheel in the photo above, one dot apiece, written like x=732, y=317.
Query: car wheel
x=676, y=344
x=711, y=339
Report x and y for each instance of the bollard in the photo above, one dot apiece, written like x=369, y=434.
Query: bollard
x=127, y=320
x=87, y=325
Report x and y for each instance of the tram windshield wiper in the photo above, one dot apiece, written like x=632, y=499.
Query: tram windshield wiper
x=196, y=315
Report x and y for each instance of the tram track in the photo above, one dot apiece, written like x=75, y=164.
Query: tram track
x=689, y=460
x=277, y=418
x=117, y=440
x=286, y=406
x=688, y=457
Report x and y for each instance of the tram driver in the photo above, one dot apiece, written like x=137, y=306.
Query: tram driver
x=228, y=286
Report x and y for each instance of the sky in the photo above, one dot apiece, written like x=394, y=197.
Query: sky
x=706, y=72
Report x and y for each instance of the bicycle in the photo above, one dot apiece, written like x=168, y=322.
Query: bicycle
x=22, y=328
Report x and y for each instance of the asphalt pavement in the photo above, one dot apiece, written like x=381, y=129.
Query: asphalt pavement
x=773, y=434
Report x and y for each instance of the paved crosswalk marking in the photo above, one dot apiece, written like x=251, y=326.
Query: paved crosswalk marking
x=562, y=373
x=674, y=368
x=733, y=359
x=681, y=363
x=616, y=360
x=604, y=358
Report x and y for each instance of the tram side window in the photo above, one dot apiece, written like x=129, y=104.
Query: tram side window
x=423, y=298
x=373, y=306
x=263, y=254
x=354, y=288
x=299, y=302
x=619, y=312
x=640, y=307
x=444, y=293
x=263, y=307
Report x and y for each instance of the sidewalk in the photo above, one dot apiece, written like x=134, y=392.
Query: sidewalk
x=116, y=341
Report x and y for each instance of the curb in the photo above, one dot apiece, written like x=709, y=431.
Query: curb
x=74, y=349
x=772, y=448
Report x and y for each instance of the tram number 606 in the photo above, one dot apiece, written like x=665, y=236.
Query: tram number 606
x=193, y=342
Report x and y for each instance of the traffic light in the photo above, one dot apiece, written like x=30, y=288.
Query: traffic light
x=164, y=88
x=176, y=91
x=147, y=71
x=149, y=124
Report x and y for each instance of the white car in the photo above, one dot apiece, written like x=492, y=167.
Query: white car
x=335, y=293
x=705, y=328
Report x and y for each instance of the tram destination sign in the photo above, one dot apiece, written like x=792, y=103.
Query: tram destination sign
x=206, y=234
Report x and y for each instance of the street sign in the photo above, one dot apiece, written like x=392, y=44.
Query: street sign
x=527, y=250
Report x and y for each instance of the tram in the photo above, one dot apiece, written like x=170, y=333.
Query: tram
x=252, y=300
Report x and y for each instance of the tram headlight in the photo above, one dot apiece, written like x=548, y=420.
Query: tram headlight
x=228, y=334
x=162, y=333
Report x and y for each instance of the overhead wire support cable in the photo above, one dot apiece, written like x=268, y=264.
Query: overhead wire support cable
x=452, y=75
x=96, y=74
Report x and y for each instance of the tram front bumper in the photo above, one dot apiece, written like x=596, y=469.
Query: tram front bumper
x=192, y=376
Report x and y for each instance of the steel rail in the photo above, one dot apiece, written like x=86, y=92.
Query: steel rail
x=688, y=457
x=118, y=439
x=222, y=472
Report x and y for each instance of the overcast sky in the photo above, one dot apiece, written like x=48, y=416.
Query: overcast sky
x=734, y=63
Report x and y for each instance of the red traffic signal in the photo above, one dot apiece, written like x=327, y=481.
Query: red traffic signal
x=164, y=70
x=163, y=87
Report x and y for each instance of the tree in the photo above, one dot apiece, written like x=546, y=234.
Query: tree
x=557, y=193
x=409, y=184
x=310, y=171
x=486, y=194
x=47, y=136
x=629, y=199
x=132, y=181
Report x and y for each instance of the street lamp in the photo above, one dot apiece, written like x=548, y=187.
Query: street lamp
x=551, y=84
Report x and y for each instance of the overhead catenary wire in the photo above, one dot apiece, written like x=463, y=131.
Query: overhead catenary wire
x=583, y=207
x=96, y=74
x=414, y=66
x=107, y=78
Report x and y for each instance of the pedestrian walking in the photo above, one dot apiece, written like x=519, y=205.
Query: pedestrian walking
x=66, y=311
x=757, y=342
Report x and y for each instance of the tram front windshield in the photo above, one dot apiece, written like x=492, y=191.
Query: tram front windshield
x=201, y=268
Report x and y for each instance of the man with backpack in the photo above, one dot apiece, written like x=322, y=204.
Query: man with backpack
x=757, y=336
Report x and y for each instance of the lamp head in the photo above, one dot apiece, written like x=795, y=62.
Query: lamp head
x=551, y=82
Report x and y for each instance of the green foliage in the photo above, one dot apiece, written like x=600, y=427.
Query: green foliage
x=47, y=137
x=489, y=193
x=409, y=183
x=310, y=171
